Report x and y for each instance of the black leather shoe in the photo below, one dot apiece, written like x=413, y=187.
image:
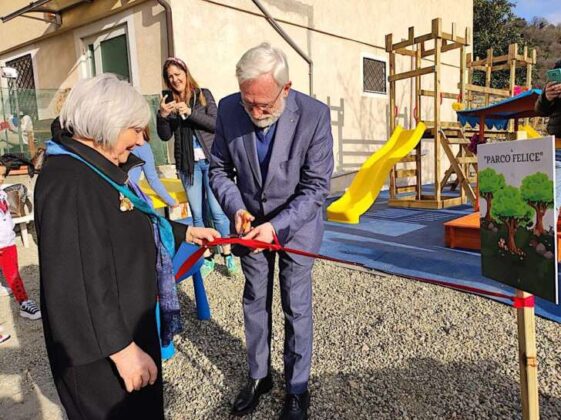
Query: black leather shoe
x=248, y=398
x=296, y=406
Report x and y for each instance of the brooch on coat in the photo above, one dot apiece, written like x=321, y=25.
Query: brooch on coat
x=125, y=204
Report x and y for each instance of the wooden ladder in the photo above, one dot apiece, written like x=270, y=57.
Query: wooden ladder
x=397, y=174
x=463, y=164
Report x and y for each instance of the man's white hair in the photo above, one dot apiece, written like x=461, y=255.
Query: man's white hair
x=102, y=107
x=260, y=60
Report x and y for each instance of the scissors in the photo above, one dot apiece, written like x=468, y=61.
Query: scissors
x=246, y=223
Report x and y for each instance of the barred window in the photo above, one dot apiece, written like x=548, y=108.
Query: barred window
x=373, y=75
x=24, y=87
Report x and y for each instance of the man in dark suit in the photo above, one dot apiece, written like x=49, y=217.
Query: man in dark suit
x=272, y=161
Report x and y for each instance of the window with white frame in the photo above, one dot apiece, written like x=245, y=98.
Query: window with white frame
x=373, y=75
x=109, y=53
x=108, y=45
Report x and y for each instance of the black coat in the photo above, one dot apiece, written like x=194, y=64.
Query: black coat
x=98, y=284
x=202, y=120
x=551, y=109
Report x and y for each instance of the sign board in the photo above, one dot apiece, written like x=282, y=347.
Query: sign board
x=518, y=214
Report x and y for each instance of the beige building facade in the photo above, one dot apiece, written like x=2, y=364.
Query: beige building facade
x=345, y=40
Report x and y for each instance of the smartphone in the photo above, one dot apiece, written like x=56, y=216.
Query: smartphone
x=169, y=94
x=554, y=75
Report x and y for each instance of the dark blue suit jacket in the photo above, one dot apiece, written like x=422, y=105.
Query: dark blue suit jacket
x=297, y=183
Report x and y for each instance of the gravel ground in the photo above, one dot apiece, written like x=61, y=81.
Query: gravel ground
x=385, y=348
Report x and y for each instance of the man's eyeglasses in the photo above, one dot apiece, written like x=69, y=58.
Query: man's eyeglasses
x=261, y=107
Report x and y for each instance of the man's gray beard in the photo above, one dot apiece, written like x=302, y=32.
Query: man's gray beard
x=270, y=119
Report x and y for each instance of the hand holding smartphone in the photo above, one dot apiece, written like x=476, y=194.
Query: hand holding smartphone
x=167, y=104
x=552, y=89
x=168, y=95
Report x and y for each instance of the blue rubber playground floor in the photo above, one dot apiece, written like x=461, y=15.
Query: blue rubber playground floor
x=410, y=242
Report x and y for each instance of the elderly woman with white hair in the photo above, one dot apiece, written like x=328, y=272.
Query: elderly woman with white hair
x=105, y=258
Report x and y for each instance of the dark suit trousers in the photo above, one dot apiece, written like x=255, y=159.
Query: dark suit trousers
x=296, y=297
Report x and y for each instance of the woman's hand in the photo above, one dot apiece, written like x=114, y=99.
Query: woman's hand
x=136, y=368
x=552, y=91
x=196, y=235
x=182, y=109
x=167, y=109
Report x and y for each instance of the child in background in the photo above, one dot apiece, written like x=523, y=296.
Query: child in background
x=9, y=255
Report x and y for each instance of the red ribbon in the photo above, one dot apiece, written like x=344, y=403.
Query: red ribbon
x=517, y=302
x=523, y=302
x=252, y=244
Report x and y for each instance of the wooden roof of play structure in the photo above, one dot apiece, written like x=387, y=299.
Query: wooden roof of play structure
x=497, y=115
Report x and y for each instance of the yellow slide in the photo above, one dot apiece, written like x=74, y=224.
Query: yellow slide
x=173, y=186
x=530, y=131
x=371, y=177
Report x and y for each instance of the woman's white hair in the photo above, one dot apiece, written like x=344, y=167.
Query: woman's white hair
x=100, y=108
x=260, y=60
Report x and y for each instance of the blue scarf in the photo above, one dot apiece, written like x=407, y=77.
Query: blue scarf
x=165, y=245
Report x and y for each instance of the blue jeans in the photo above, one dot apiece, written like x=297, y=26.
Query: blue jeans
x=198, y=193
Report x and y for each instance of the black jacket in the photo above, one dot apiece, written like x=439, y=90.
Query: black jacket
x=202, y=120
x=551, y=109
x=97, y=263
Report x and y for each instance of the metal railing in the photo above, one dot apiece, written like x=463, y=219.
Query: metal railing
x=25, y=132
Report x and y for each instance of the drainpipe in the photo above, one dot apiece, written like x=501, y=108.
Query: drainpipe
x=169, y=27
x=290, y=41
x=171, y=53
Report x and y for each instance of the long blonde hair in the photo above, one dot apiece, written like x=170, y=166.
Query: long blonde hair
x=190, y=87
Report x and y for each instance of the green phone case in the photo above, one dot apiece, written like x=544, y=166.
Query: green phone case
x=554, y=75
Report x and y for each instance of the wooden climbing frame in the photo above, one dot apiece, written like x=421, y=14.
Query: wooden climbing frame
x=476, y=95
x=427, y=47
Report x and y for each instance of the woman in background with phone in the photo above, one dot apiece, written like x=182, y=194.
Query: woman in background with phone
x=188, y=113
x=549, y=102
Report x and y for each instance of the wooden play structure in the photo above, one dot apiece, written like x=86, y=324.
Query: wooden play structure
x=431, y=46
x=477, y=96
x=449, y=136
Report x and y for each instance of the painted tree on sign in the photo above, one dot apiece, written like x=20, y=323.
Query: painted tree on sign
x=489, y=182
x=512, y=210
x=537, y=191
